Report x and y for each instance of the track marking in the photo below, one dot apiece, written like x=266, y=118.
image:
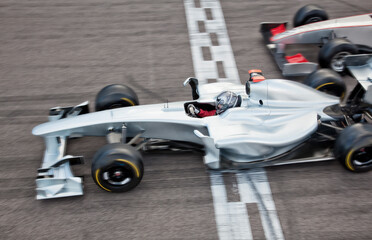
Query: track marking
x=207, y=69
x=254, y=187
x=232, y=218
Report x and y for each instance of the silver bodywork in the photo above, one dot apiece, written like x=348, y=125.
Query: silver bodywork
x=276, y=117
x=361, y=68
x=357, y=29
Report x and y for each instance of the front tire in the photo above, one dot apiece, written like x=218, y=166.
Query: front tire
x=116, y=96
x=309, y=14
x=353, y=148
x=326, y=80
x=332, y=54
x=117, y=168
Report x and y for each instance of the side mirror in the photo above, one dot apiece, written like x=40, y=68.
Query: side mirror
x=248, y=88
x=194, y=87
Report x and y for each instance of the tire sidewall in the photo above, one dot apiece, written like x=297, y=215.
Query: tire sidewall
x=120, y=155
x=114, y=96
x=328, y=81
x=361, y=143
x=304, y=14
x=115, y=100
x=332, y=48
x=353, y=138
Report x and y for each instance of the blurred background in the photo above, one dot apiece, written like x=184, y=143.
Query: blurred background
x=61, y=53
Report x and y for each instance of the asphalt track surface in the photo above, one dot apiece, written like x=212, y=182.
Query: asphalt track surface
x=57, y=53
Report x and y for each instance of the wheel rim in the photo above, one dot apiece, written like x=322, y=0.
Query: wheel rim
x=313, y=20
x=117, y=175
x=362, y=158
x=338, y=60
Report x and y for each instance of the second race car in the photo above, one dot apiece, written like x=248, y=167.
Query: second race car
x=337, y=38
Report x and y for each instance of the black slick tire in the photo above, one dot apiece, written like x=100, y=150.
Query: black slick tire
x=333, y=53
x=117, y=167
x=328, y=81
x=309, y=14
x=115, y=96
x=353, y=148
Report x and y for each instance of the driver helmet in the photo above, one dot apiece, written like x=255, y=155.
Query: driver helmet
x=226, y=100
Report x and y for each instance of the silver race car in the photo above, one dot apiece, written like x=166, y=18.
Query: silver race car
x=337, y=37
x=264, y=122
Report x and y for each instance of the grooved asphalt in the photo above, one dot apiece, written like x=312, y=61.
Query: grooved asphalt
x=57, y=53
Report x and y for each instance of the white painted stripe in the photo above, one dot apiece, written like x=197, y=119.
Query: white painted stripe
x=208, y=69
x=232, y=218
x=254, y=188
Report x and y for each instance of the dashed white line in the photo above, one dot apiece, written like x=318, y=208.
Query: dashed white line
x=232, y=218
x=254, y=187
x=207, y=69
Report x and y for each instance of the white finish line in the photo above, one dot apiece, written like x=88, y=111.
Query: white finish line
x=205, y=21
x=220, y=51
x=232, y=218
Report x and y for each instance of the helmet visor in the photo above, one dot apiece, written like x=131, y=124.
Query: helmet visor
x=225, y=100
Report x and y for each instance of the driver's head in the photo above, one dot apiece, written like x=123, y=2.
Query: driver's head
x=225, y=100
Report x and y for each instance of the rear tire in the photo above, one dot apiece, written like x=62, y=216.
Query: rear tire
x=332, y=54
x=117, y=167
x=353, y=148
x=309, y=14
x=326, y=80
x=115, y=96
